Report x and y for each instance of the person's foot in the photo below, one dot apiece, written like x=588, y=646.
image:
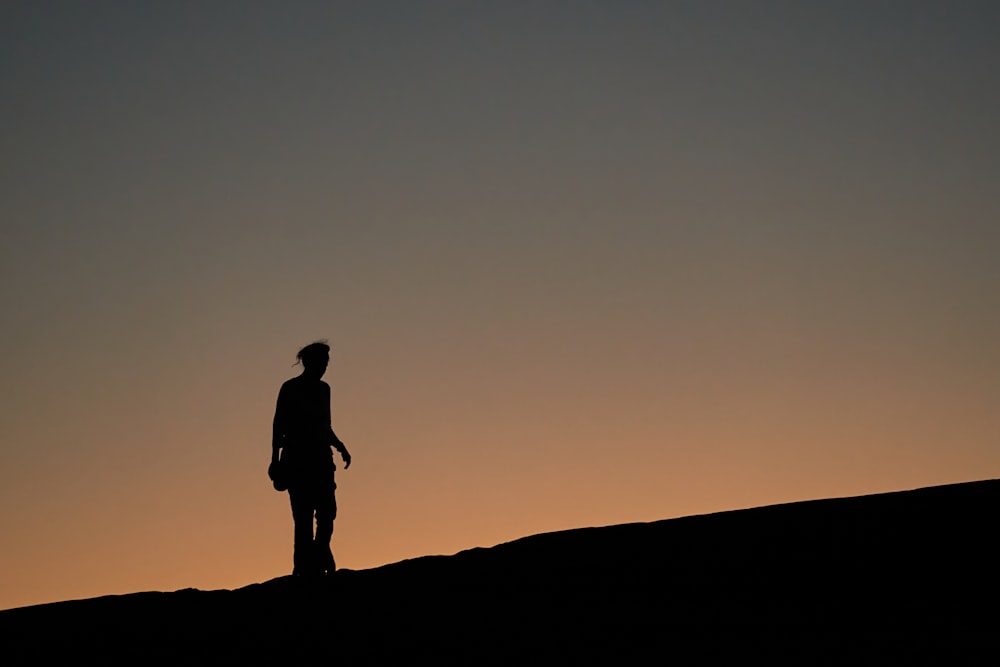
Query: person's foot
x=327, y=564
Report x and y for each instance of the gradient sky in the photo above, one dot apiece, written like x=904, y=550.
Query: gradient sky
x=580, y=263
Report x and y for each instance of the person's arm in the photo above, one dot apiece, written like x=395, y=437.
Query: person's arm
x=278, y=426
x=336, y=442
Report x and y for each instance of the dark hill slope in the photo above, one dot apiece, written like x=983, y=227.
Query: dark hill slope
x=897, y=578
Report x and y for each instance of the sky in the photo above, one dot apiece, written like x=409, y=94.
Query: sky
x=579, y=263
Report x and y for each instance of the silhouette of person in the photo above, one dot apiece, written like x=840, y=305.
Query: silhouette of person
x=301, y=450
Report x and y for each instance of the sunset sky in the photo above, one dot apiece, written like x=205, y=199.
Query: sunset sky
x=580, y=263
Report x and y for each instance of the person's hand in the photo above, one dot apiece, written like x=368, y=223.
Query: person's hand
x=347, y=458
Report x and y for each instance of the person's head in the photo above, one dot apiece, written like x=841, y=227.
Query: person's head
x=314, y=357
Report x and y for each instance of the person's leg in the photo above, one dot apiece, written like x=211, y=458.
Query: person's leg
x=326, y=512
x=302, y=514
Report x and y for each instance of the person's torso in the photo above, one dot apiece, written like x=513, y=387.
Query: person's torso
x=305, y=412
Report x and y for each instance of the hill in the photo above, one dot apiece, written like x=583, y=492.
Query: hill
x=891, y=578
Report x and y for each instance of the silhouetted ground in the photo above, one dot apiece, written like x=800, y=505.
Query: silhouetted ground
x=890, y=579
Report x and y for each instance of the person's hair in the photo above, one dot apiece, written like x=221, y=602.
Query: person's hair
x=312, y=352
